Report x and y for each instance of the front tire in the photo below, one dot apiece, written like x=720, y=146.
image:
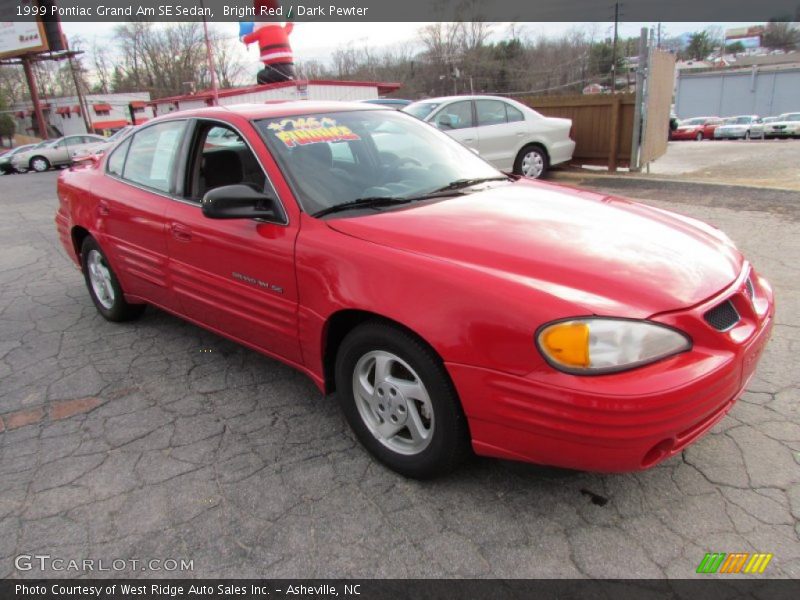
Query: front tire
x=104, y=288
x=399, y=401
x=40, y=164
x=699, y=137
x=532, y=161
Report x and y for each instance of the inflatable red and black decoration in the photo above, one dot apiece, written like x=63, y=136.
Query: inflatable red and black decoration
x=273, y=43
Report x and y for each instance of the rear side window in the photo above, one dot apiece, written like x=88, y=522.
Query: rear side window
x=117, y=159
x=152, y=153
x=514, y=114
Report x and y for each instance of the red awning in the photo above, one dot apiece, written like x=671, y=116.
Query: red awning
x=20, y=114
x=138, y=104
x=100, y=125
x=101, y=107
x=140, y=120
x=76, y=109
x=62, y=110
x=45, y=105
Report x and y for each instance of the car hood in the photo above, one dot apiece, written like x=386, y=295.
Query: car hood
x=609, y=255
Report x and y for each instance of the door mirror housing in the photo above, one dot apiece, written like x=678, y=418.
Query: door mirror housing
x=240, y=202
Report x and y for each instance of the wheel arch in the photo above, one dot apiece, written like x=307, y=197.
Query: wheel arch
x=78, y=235
x=34, y=157
x=342, y=322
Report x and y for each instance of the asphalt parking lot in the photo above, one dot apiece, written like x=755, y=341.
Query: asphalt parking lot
x=158, y=440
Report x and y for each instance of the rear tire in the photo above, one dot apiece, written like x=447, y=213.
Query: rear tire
x=532, y=161
x=747, y=136
x=104, y=288
x=399, y=401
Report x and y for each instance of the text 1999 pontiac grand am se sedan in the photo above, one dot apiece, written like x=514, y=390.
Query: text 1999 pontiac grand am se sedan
x=451, y=307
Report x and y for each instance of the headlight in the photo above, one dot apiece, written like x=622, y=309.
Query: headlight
x=588, y=346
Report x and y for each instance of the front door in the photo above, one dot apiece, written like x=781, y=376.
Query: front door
x=458, y=121
x=234, y=276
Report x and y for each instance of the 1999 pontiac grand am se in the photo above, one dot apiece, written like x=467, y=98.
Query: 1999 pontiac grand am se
x=448, y=305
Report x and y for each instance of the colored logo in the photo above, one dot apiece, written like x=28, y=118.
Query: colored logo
x=737, y=562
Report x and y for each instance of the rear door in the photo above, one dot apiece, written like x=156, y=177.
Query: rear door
x=132, y=203
x=235, y=276
x=501, y=128
x=457, y=120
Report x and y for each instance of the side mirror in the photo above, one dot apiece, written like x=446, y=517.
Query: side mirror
x=240, y=202
x=445, y=122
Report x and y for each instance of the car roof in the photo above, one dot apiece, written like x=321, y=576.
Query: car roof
x=441, y=99
x=273, y=110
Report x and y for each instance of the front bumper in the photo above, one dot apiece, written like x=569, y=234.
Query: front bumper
x=625, y=421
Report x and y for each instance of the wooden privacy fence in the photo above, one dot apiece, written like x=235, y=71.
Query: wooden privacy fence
x=602, y=125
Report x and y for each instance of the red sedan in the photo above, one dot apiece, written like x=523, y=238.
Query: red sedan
x=699, y=128
x=450, y=306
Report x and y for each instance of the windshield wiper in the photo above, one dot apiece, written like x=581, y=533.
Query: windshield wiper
x=464, y=183
x=369, y=202
x=381, y=201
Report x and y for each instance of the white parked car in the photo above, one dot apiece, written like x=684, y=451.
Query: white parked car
x=742, y=127
x=786, y=125
x=508, y=134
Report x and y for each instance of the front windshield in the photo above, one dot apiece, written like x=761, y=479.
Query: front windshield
x=44, y=143
x=790, y=117
x=334, y=158
x=694, y=122
x=738, y=121
x=421, y=109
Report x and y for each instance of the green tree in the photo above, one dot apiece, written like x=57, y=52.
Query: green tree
x=700, y=45
x=7, y=125
x=734, y=48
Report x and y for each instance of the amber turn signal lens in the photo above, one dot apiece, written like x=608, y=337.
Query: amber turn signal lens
x=567, y=343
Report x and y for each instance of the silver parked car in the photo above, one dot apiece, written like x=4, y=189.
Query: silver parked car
x=56, y=153
x=742, y=127
x=508, y=134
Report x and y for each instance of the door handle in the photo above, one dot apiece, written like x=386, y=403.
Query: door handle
x=469, y=139
x=181, y=232
x=102, y=208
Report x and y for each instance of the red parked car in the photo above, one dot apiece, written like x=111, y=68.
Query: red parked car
x=698, y=128
x=450, y=306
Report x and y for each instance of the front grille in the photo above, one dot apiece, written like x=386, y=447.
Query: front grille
x=723, y=316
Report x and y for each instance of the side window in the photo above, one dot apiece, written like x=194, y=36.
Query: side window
x=221, y=157
x=490, y=112
x=513, y=114
x=117, y=159
x=152, y=153
x=455, y=116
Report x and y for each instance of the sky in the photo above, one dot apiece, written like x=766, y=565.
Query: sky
x=313, y=41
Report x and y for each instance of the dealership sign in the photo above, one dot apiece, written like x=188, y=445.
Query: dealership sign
x=20, y=37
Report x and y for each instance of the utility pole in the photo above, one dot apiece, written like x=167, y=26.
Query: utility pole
x=614, y=50
x=41, y=124
x=210, y=60
x=79, y=93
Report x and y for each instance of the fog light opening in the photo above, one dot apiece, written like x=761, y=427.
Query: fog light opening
x=657, y=452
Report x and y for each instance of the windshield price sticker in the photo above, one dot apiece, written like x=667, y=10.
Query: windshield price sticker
x=310, y=130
